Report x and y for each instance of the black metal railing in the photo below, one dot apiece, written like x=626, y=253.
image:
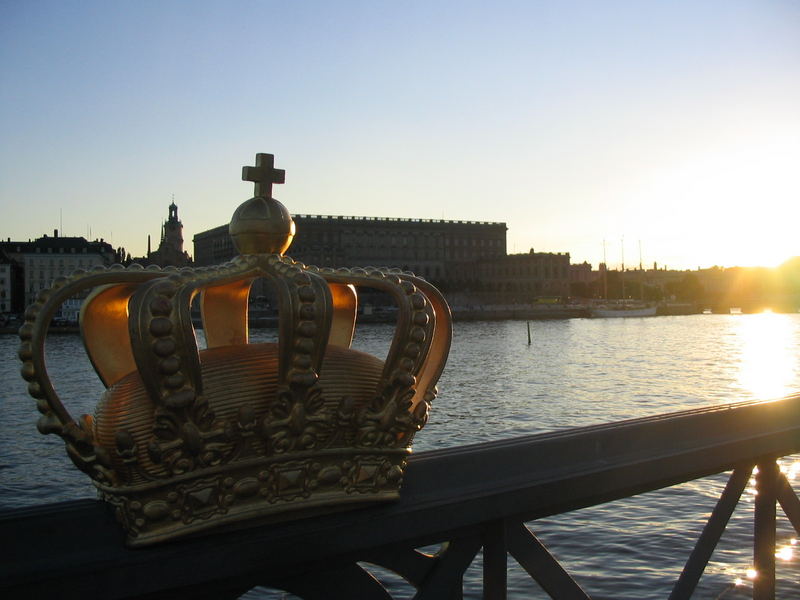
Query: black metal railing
x=466, y=498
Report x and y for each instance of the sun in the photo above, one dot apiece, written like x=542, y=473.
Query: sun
x=730, y=204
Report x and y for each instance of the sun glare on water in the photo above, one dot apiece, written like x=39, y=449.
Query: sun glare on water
x=767, y=359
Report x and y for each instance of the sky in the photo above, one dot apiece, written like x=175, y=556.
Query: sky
x=594, y=128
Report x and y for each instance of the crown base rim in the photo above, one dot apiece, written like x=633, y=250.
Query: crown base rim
x=256, y=493
x=247, y=519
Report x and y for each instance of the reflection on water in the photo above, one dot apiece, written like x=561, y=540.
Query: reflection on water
x=791, y=470
x=575, y=372
x=767, y=362
x=785, y=554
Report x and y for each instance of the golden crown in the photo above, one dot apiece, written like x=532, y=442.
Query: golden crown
x=184, y=440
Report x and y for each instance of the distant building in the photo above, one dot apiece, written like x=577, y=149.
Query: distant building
x=47, y=258
x=582, y=273
x=520, y=278
x=170, y=252
x=582, y=280
x=465, y=259
x=428, y=247
x=11, y=285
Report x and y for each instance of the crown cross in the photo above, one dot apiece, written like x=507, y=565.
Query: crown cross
x=264, y=174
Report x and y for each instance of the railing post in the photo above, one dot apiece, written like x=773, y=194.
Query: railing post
x=711, y=534
x=495, y=561
x=789, y=502
x=764, y=530
x=446, y=579
x=541, y=565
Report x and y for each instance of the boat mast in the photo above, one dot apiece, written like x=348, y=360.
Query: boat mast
x=641, y=274
x=640, y=255
x=605, y=272
x=622, y=274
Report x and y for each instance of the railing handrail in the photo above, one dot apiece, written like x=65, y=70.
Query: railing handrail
x=75, y=547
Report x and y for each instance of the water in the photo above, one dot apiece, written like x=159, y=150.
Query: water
x=576, y=372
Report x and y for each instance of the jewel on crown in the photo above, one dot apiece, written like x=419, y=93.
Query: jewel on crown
x=184, y=440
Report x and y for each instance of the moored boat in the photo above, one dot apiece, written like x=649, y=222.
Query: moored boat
x=623, y=309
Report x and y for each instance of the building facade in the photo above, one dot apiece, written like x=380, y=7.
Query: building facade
x=47, y=258
x=11, y=285
x=464, y=259
x=520, y=278
x=428, y=247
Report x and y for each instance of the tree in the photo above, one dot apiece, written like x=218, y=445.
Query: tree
x=688, y=289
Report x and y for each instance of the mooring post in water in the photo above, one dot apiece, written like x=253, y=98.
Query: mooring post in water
x=529, y=333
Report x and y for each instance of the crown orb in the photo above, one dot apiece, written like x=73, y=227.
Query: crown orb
x=262, y=226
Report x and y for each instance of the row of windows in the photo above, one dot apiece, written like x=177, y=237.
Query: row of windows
x=32, y=263
x=60, y=250
x=53, y=274
x=222, y=242
x=359, y=239
x=36, y=286
x=387, y=252
x=536, y=273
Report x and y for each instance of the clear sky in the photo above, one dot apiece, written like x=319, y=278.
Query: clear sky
x=674, y=123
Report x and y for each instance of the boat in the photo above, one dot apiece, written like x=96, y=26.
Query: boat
x=623, y=309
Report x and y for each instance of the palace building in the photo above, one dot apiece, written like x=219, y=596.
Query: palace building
x=425, y=246
x=466, y=260
x=460, y=257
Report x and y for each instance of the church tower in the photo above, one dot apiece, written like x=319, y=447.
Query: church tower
x=172, y=231
x=170, y=250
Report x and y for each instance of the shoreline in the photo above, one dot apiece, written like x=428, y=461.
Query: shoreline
x=509, y=313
